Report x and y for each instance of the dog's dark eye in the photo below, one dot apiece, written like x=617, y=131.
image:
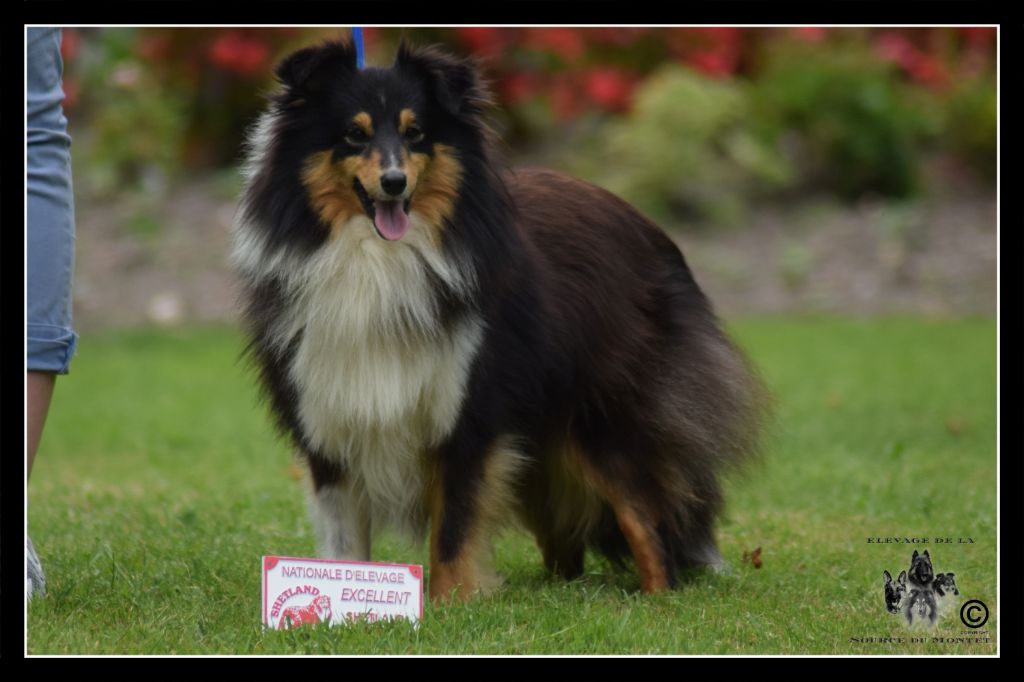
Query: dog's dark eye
x=413, y=133
x=356, y=136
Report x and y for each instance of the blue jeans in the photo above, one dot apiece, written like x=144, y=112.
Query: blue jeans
x=50, y=232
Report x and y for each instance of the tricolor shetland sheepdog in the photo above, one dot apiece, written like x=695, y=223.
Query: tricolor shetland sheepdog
x=452, y=345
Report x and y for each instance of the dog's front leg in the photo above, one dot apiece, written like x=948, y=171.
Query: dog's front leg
x=469, y=496
x=340, y=513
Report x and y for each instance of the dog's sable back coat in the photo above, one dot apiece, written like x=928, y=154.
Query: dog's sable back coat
x=452, y=345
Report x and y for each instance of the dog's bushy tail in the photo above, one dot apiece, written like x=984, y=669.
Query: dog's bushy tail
x=716, y=410
x=705, y=416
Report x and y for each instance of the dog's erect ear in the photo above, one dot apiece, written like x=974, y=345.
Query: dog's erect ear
x=926, y=554
x=307, y=71
x=915, y=555
x=455, y=82
x=888, y=577
x=903, y=578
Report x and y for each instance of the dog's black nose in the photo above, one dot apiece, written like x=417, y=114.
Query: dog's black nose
x=393, y=182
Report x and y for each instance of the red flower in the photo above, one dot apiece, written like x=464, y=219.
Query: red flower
x=70, y=93
x=484, y=40
x=567, y=43
x=929, y=71
x=616, y=35
x=518, y=87
x=610, y=88
x=238, y=54
x=714, y=51
x=896, y=48
x=809, y=34
x=978, y=36
x=70, y=41
x=920, y=66
x=713, y=63
x=566, y=99
x=725, y=35
x=154, y=47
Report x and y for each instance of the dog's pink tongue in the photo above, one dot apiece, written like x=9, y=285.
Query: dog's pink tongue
x=390, y=219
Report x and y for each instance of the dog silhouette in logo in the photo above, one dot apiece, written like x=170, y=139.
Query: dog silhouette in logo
x=317, y=611
x=945, y=584
x=922, y=596
x=895, y=591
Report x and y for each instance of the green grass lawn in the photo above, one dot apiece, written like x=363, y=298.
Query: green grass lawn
x=159, y=485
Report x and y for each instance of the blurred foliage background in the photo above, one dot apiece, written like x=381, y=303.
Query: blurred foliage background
x=703, y=129
x=685, y=122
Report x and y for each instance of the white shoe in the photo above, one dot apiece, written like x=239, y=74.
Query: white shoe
x=35, y=581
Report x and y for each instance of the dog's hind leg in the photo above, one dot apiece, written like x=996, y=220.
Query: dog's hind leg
x=692, y=540
x=632, y=515
x=644, y=543
x=562, y=556
x=556, y=507
x=634, y=518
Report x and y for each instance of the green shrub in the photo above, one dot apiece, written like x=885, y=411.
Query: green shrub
x=686, y=150
x=971, y=127
x=851, y=125
x=127, y=126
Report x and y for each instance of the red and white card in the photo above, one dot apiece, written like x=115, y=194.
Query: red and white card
x=300, y=592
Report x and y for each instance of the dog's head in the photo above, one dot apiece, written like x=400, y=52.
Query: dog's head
x=945, y=583
x=894, y=591
x=381, y=141
x=918, y=600
x=921, y=572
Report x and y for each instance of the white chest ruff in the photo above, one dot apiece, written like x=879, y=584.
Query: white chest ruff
x=378, y=407
x=380, y=382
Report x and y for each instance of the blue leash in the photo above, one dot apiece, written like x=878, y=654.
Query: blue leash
x=357, y=37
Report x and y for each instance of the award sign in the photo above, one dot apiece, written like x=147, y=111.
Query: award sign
x=308, y=591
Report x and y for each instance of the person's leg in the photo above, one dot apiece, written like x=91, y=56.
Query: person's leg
x=38, y=394
x=50, y=237
x=50, y=232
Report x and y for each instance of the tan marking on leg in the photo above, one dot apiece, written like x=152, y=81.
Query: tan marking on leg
x=456, y=578
x=470, y=571
x=638, y=526
x=644, y=545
